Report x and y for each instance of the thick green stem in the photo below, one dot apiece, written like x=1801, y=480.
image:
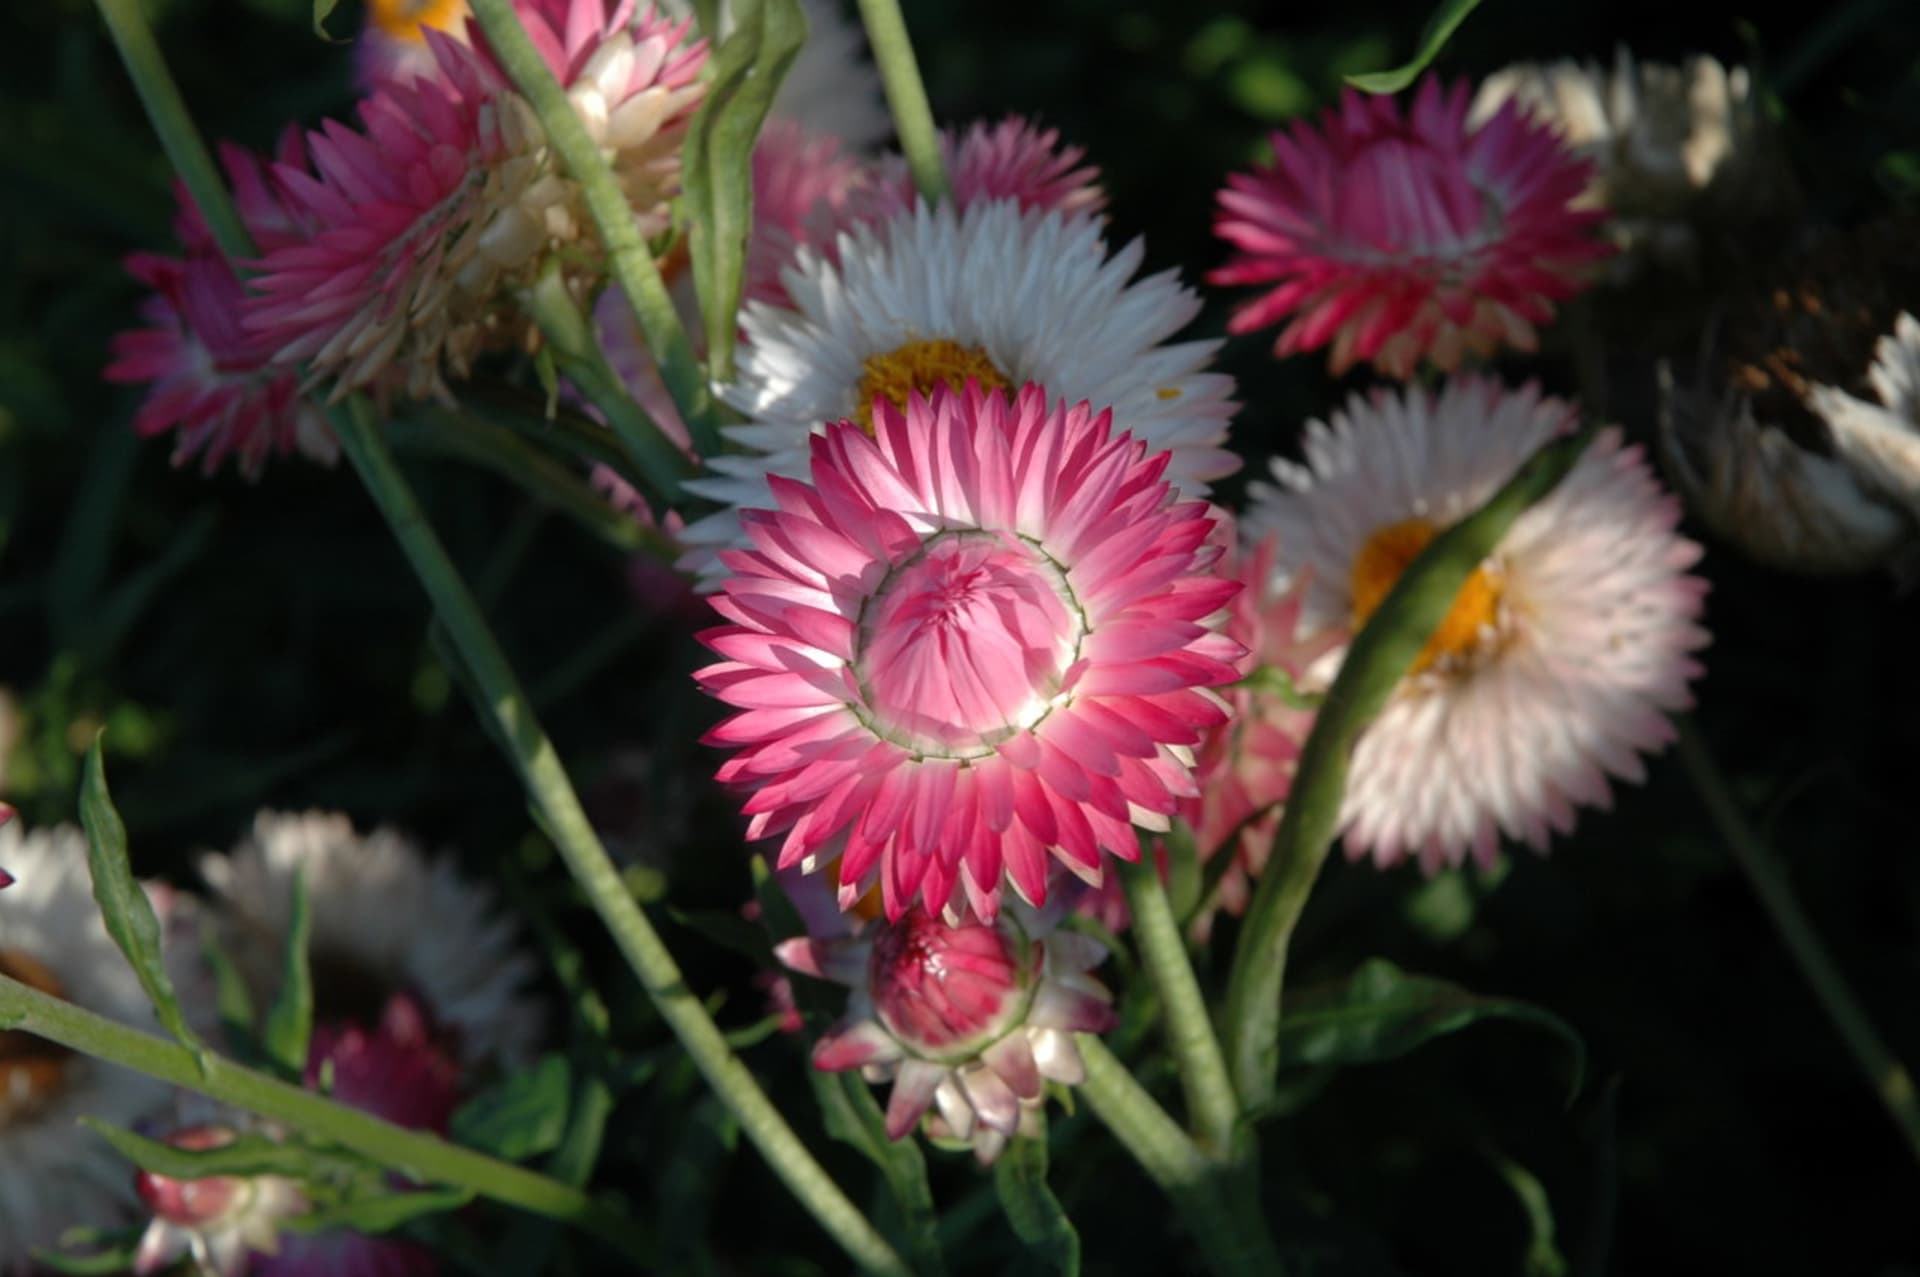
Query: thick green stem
x=628, y=257
x=178, y=136
x=1214, y=1201
x=906, y=96
x=423, y=1157
x=1209, y=1090
x=1888, y=1076
x=1376, y=661
x=534, y=756
x=661, y=464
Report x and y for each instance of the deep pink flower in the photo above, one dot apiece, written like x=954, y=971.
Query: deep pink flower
x=212, y=381
x=1396, y=237
x=975, y=643
x=1008, y=159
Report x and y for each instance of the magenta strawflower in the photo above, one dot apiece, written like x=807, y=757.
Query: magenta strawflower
x=211, y=381
x=1007, y=159
x=1396, y=237
x=972, y=1019
x=976, y=643
x=448, y=195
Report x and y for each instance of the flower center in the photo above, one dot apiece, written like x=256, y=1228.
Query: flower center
x=965, y=644
x=33, y=1071
x=1475, y=610
x=409, y=19
x=921, y=366
x=945, y=992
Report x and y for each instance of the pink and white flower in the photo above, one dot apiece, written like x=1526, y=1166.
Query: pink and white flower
x=212, y=381
x=1008, y=159
x=1562, y=655
x=1395, y=237
x=220, y=1222
x=973, y=645
x=970, y=1019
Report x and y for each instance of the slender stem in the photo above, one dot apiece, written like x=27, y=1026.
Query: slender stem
x=906, y=96
x=1376, y=661
x=1889, y=1077
x=534, y=756
x=178, y=136
x=421, y=1156
x=1214, y=1201
x=628, y=257
x=661, y=464
x=1203, y=1068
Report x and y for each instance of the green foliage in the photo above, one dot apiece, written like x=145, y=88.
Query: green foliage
x=1433, y=38
x=1020, y=1178
x=521, y=1116
x=289, y=1023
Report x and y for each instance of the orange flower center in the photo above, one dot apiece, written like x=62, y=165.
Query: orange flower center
x=922, y=365
x=1387, y=554
x=409, y=19
x=33, y=1071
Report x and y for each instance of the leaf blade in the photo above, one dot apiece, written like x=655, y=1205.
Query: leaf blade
x=1038, y=1219
x=1433, y=38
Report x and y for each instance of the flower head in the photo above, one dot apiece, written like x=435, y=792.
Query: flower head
x=385, y=920
x=974, y=644
x=392, y=47
x=1398, y=237
x=220, y=1221
x=1561, y=656
x=420, y=220
x=212, y=381
x=934, y=297
x=971, y=1019
x=1009, y=159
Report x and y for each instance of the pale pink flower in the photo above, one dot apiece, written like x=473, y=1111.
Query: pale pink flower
x=1245, y=765
x=971, y=1019
x=1399, y=237
x=802, y=185
x=975, y=643
x=423, y=220
x=210, y=380
x=1563, y=653
x=219, y=1221
x=1009, y=159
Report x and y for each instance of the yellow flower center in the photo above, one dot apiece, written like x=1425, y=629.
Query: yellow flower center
x=33, y=1070
x=1387, y=554
x=922, y=365
x=409, y=19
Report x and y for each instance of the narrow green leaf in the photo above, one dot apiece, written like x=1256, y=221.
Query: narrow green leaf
x=522, y=1116
x=289, y=1025
x=1382, y=1012
x=1020, y=1176
x=1543, y=1257
x=381, y=1212
x=108, y=1252
x=322, y=10
x=129, y=914
x=852, y=1116
x=247, y=1155
x=717, y=168
x=231, y=997
x=1433, y=37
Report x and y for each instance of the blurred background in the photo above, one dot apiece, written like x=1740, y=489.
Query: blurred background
x=250, y=645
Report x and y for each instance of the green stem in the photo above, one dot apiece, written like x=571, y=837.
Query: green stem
x=1378, y=658
x=421, y=1156
x=534, y=756
x=1887, y=1075
x=178, y=136
x=628, y=257
x=1214, y=1201
x=906, y=96
x=1203, y=1068
x=662, y=465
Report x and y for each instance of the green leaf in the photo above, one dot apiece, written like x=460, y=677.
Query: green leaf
x=1381, y=1012
x=232, y=999
x=1543, y=1257
x=247, y=1155
x=381, y=1212
x=322, y=10
x=522, y=1116
x=289, y=1025
x=717, y=171
x=1433, y=37
x=124, y=905
x=1020, y=1176
x=851, y=1115
x=109, y=1251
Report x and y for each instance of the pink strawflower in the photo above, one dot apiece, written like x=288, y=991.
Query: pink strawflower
x=425, y=218
x=974, y=1018
x=1245, y=765
x=1399, y=237
x=802, y=185
x=975, y=642
x=219, y=1221
x=1008, y=159
x=212, y=381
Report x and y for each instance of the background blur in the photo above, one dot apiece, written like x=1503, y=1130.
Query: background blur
x=263, y=645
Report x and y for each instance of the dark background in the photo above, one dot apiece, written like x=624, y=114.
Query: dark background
x=250, y=645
